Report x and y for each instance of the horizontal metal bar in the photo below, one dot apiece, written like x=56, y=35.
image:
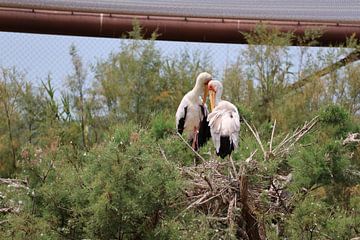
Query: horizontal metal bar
x=168, y=28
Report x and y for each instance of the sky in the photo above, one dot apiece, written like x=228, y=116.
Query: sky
x=39, y=54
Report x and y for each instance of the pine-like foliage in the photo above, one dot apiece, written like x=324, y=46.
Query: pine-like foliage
x=103, y=161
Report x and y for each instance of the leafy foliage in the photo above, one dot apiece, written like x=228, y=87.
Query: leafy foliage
x=102, y=161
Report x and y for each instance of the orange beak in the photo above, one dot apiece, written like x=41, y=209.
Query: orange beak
x=212, y=99
x=206, y=92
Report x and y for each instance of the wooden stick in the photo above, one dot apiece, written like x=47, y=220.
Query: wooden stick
x=187, y=144
x=234, y=168
x=17, y=183
x=256, y=135
x=163, y=153
x=272, y=136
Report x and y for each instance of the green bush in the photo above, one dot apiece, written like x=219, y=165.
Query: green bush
x=334, y=114
x=162, y=125
x=314, y=219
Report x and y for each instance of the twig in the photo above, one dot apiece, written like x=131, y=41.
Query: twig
x=250, y=157
x=187, y=144
x=280, y=198
x=288, y=142
x=163, y=153
x=17, y=183
x=352, y=138
x=197, y=201
x=248, y=160
x=209, y=183
x=230, y=213
x=3, y=221
x=272, y=135
x=234, y=168
x=211, y=198
x=10, y=210
x=217, y=218
x=256, y=135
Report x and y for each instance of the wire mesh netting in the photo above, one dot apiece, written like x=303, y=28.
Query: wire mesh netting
x=39, y=56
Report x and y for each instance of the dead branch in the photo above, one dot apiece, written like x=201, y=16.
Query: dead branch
x=187, y=144
x=272, y=135
x=289, y=141
x=3, y=221
x=230, y=213
x=352, y=138
x=16, y=183
x=163, y=153
x=10, y=210
x=256, y=135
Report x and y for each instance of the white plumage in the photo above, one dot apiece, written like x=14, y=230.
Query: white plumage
x=191, y=115
x=224, y=121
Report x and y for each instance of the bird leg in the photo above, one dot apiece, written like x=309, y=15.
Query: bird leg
x=195, y=140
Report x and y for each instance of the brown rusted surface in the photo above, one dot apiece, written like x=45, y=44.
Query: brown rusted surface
x=168, y=28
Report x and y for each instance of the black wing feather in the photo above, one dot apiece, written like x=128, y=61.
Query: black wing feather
x=204, y=129
x=226, y=147
x=182, y=122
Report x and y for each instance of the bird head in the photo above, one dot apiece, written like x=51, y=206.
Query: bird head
x=215, y=89
x=202, y=80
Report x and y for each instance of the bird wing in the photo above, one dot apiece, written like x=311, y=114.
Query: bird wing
x=235, y=126
x=181, y=115
x=215, y=123
x=204, y=129
x=224, y=121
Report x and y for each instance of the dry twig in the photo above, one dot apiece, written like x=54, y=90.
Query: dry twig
x=257, y=137
x=289, y=141
x=187, y=144
x=17, y=183
x=352, y=138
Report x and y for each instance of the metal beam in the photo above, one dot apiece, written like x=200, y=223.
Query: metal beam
x=169, y=28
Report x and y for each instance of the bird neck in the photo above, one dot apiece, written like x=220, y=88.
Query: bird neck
x=218, y=96
x=198, y=89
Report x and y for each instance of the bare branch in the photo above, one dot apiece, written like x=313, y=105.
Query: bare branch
x=289, y=141
x=272, y=135
x=10, y=210
x=352, y=138
x=256, y=135
x=17, y=183
x=187, y=144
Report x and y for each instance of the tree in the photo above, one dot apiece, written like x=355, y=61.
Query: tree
x=267, y=56
x=76, y=83
x=10, y=87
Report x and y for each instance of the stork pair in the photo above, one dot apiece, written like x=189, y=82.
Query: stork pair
x=222, y=124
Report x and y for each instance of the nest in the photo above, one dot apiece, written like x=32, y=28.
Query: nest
x=220, y=190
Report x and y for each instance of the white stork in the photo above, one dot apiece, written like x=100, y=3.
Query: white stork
x=191, y=115
x=224, y=121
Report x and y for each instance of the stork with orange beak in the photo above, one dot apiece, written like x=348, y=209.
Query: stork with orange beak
x=224, y=121
x=191, y=115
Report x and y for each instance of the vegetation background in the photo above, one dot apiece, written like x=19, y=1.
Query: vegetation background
x=102, y=160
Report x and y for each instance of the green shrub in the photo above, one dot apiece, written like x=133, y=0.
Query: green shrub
x=334, y=115
x=162, y=125
x=314, y=219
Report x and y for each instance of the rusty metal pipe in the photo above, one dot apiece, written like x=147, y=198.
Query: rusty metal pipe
x=168, y=28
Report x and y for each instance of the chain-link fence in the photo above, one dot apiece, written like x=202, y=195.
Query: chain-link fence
x=38, y=55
